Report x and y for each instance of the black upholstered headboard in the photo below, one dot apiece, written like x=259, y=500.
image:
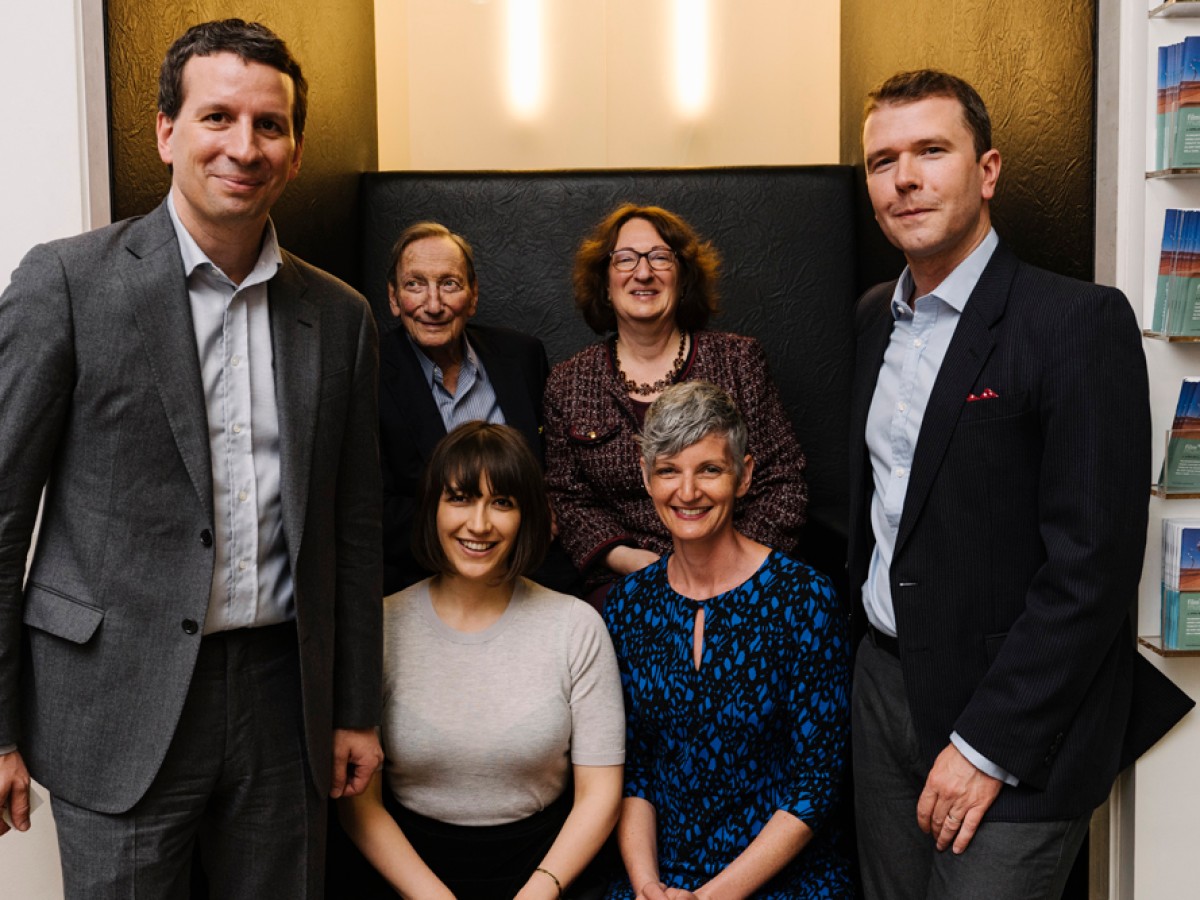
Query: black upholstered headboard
x=787, y=236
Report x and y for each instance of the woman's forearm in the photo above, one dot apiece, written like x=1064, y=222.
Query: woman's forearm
x=638, y=839
x=591, y=820
x=381, y=841
x=774, y=847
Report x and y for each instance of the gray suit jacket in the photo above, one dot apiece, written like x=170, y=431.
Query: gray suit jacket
x=101, y=402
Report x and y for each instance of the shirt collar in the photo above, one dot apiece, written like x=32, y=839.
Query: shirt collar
x=269, y=257
x=429, y=367
x=956, y=288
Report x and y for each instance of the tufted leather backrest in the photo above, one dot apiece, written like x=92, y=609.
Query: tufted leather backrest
x=786, y=235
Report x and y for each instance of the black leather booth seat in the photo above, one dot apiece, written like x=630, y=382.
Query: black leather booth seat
x=786, y=234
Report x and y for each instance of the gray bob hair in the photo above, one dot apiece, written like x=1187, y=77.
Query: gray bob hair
x=687, y=413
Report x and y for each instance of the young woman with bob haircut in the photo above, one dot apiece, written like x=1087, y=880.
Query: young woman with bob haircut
x=503, y=726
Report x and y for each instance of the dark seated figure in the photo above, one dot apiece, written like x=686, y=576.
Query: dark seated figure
x=437, y=371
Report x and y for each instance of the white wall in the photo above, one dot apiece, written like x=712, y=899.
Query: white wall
x=608, y=94
x=46, y=193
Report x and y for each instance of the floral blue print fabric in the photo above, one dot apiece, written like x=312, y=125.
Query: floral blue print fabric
x=761, y=726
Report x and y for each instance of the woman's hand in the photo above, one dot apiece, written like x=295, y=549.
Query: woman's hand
x=623, y=560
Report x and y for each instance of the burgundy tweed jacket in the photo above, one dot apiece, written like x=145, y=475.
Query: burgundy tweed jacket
x=593, y=463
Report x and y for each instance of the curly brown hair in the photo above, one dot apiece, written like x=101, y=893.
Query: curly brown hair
x=698, y=266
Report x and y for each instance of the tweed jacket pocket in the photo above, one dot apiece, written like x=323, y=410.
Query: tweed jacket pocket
x=593, y=435
x=60, y=615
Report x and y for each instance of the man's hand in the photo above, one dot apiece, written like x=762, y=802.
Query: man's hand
x=955, y=797
x=356, y=757
x=14, y=791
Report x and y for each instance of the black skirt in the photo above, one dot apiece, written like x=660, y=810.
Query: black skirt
x=489, y=862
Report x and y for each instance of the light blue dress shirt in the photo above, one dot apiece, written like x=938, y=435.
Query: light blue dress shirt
x=252, y=580
x=474, y=399
x=921, y=334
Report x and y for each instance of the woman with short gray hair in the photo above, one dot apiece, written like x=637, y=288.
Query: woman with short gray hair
x=735, y=665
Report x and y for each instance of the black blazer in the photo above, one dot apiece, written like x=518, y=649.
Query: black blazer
x=1022, y=535
x=410, y=425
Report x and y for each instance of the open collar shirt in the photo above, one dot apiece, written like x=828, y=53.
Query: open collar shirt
x=252, y=581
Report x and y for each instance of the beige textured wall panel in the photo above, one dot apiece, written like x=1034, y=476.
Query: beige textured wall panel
x=1032, y=62
x=335, y=43
x=608, y=88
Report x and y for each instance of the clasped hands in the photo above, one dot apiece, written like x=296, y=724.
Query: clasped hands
x=954, y=800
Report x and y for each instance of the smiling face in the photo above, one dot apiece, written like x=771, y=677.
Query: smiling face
x=644, y=296
x=477, y=533
x=432, y=295
x=929, y=190
x=695, y=490
x=231, y=147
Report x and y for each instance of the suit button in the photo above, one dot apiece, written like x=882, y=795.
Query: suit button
x=206, y=538
x=190, y=626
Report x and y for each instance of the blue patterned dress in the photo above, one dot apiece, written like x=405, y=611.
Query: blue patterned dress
x=760, y=727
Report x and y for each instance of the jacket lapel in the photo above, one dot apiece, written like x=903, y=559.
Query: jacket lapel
x=872, y=344
x=405, y=382
x=296, y=345
x=969, y=349
x=510, y=390
x=158, y=288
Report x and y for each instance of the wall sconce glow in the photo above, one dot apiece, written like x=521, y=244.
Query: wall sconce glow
x=524, y=57
x=691, y=56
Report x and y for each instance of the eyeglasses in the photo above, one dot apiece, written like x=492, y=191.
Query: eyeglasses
x=627, y=260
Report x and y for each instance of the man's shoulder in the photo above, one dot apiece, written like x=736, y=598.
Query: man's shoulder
x=324, y=283
x=501, y=339
x=872, y=305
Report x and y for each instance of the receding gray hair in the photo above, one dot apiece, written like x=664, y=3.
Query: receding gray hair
x=687, y=413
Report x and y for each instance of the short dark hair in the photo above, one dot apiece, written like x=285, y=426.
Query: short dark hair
x=418, y=232
x=472, y=452
x=697, y=261
x=252, y=41
x=909, y=87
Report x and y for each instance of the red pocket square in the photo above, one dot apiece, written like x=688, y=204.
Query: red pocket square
x=987, y=394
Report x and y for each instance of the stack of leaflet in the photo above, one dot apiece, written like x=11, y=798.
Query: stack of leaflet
x=1177, y=291
x=1177, y=123
x=1180, y=472
x=1181, y=584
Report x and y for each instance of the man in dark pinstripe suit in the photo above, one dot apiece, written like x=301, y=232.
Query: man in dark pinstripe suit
x=1000, y=456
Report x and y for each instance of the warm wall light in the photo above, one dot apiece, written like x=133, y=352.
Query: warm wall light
x=525, y=48
x=691, y=56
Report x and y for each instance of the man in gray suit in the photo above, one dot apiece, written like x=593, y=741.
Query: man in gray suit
x=194, y=657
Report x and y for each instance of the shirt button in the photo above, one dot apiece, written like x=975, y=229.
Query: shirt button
x=236, y=361
x=900, y=473
x=237, y=428
x=918, y=343
x=902, y=406
x=190, y=626
x=206, y=538
x=242, y=495
x=242, y=566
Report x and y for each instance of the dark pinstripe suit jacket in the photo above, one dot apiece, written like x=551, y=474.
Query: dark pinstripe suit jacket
x=1021, y=540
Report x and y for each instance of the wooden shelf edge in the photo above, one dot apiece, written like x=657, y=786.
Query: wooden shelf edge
x=1156, y=491
x=1173, y=8
x=1153, y=643
x=1171, y=338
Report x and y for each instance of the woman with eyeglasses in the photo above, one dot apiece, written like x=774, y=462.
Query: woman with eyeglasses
x=503, y=727
x=646, y=282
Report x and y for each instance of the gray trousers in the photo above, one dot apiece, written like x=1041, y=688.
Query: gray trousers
x=1005, y=860
x=235, y=784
